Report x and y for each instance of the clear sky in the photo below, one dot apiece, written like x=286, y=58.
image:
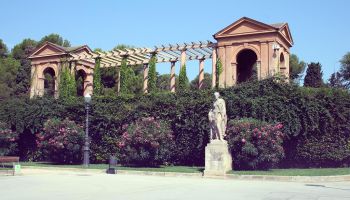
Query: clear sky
x=320, y=28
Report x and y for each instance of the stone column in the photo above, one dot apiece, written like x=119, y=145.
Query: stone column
x=234, y=73
x=222, y=76
x=183, y=58
x=258, y=69
x=213, y=69
x=264, y=60
x=172, y=77
x=145, y=78
x=201, y=74
x=33, y=82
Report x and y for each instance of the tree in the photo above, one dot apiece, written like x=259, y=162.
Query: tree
x=336, y=81
x=296, y=68
x=163, y=82
x=122, y=47
x=219, y=70
x=127, y=77
x=345, y=69
x=152, y=74
x=183, y=80
x=21, y=52
x=206, y=82
x=97, y=78
x=313, y=77
x=54, y=38
x=8, y=71
x=3, y=49
x=67, y=84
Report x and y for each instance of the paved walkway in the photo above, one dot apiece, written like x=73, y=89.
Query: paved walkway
x=93, y=186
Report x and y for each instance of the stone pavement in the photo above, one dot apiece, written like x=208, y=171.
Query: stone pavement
x=93, y=186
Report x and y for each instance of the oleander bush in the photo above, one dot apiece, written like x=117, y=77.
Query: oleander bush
x=8, y=144
x=61, y=141
x=146, y=142
x=255, y=144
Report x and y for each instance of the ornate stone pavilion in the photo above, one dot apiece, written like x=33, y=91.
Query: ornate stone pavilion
x=246, y=48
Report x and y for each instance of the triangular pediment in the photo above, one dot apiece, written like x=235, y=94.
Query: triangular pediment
x=244, y=26
x=286, y=33
x=47, y=49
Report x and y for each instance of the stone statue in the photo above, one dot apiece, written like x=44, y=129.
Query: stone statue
x=217, y=118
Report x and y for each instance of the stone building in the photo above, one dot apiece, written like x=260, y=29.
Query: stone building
x=248, y=46
x=47, y=62
x=246, y=49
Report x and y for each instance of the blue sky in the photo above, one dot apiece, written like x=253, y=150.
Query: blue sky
x=320, y=29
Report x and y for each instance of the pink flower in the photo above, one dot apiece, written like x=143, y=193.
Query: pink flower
x=243, y=140
x=120, y=144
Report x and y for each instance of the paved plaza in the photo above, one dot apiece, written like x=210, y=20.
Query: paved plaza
x=92, y=186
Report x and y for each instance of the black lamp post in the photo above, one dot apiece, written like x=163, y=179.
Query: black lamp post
x=86, y=148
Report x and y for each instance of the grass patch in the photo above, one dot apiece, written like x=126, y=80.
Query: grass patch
x=297, y=172
x=178, y=169
x=188, y=169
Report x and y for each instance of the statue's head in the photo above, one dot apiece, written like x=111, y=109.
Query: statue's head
x=217, y=95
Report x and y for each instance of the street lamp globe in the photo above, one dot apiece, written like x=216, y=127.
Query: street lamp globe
x=87, y=98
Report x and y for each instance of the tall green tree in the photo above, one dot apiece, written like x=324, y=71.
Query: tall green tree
x=183, y=80
x=313, y=77
x=8, y=70
x=67, y=84
x=152, y=74
x=127, y=78
x=97, y=84
x=219, y=70
x=296, y=68
x=3, y=49
x=21, y=52
x=56, y=39
x=206, y=82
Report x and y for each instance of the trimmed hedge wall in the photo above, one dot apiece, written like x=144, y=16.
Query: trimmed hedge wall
x=316, y=121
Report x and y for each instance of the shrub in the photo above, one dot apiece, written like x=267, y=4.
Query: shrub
x=146, y=142
x=8, y=144
x=61, y=141
x=255, y=144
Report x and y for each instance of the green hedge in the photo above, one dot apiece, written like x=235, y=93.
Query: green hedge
x=316, y=121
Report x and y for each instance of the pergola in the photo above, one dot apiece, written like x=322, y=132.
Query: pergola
x=164, y=53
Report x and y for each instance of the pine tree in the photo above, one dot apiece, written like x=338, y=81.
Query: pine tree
x=313, y=76
x=183, y=80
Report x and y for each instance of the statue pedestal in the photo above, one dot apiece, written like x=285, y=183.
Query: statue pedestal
x=218, y=159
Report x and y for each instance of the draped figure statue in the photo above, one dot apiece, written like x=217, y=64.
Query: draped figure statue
x=217, y=118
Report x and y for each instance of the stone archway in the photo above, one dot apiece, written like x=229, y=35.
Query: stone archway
x=80, y=78
x=246, y=65
x=49, y=81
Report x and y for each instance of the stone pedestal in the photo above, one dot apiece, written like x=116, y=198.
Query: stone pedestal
x=218, y=159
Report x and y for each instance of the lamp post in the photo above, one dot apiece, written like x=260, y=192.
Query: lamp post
x=86, y=148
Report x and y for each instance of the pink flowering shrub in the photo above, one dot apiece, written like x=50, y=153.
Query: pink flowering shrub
x=146, y=142
x=255, y=144
x=61, y=141
x=8, y=140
